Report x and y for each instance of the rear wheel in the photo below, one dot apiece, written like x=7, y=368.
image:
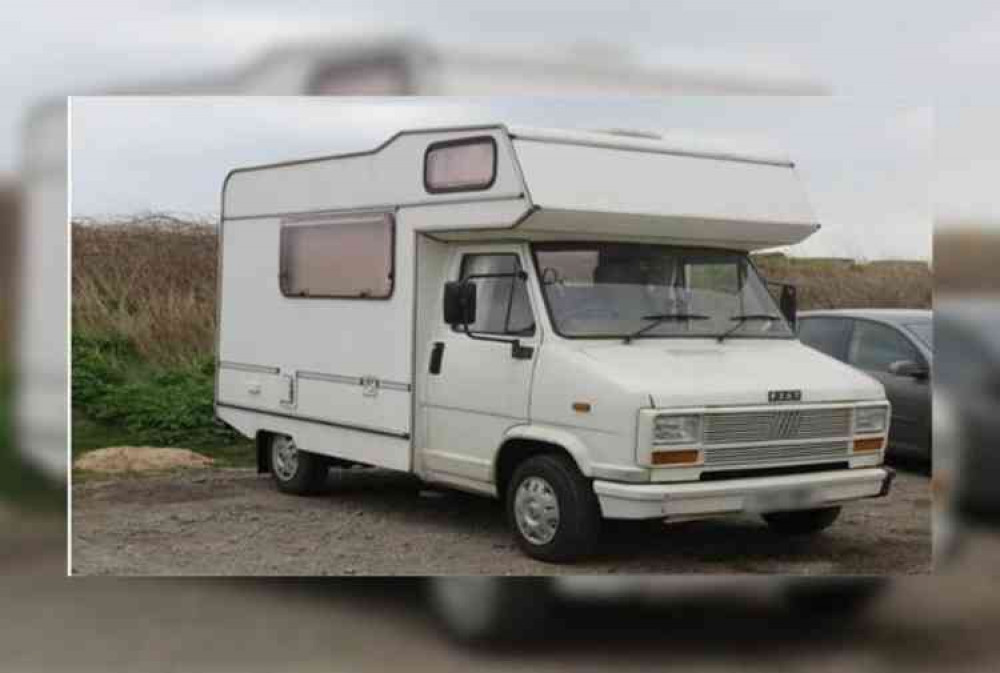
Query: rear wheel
x=552, y=509
x=486, y=610
x=802, y=522
x=295, y=471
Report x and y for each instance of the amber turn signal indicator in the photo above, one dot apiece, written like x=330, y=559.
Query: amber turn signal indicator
x=582, y=407
x=866, y=445
x=675, y=457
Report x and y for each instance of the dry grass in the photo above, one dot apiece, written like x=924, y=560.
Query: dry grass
x=150, y=280
x=837, y=283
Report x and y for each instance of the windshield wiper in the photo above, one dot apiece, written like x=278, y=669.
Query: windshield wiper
x=740, y=319
x=660, y=318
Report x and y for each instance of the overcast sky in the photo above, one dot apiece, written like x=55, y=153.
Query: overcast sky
x=865, y=164
x=940, y=54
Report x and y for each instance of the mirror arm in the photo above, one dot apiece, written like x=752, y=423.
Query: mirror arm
x=478, y=337
x=517, y=350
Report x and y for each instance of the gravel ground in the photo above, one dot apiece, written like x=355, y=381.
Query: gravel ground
x=234, y=522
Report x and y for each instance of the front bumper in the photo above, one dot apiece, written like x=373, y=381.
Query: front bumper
x=733, y=496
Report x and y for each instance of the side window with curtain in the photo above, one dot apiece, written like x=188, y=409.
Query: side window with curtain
x=338, y=257
x=502, y=304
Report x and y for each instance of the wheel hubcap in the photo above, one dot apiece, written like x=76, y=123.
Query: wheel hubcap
x=285, y=458
x=536, y=510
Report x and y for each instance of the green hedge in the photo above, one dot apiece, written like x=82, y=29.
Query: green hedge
x=155, y=405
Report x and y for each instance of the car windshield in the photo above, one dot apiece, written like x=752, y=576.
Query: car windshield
x=924, y=331
x=617, y=289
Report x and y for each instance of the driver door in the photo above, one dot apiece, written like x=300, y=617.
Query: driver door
x=478, y=389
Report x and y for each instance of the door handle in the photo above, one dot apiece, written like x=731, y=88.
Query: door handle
x=437, y=354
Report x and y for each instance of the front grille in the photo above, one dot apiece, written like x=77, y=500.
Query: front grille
x=775, y=454
x=770, y=426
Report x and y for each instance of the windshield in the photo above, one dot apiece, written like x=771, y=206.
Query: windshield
x=923, y=331
x=617, y=289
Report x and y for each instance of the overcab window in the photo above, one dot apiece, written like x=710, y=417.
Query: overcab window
x=462, y=165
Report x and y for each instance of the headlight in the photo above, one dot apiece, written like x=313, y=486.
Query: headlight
x=677, y=430
x=870, y=420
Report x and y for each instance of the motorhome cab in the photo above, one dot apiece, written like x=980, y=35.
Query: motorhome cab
x=568, y=321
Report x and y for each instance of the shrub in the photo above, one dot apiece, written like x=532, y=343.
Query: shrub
x=155, y=404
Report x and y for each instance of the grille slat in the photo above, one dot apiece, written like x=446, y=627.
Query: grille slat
x=795, y=426
x=740, y=455
x=784, y=424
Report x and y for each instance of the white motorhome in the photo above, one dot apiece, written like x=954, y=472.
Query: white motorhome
x=568, y=321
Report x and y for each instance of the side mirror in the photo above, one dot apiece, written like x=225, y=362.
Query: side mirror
x=908, y=368
x=459, y=302
x=789, y=303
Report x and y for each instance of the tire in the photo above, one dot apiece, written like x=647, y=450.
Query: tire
x=295, y=471
x=802, y=522
x=485, y=611
x=833, y=597
x=536, y=485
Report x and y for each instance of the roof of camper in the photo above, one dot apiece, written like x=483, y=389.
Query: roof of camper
x=669, y=142
x=552, y=183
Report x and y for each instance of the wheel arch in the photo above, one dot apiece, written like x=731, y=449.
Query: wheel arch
x=523, y=441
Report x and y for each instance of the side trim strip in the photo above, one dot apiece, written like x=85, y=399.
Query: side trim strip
x=377, y=208
x=314, y=420
x=330, y=378
x=394, y=385
x=352, y=380
x=314, y=376
x=247, y=367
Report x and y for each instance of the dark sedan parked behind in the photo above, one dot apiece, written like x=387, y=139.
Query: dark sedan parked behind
x=896, y=347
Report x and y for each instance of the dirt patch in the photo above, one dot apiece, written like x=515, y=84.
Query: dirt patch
x=140, y=459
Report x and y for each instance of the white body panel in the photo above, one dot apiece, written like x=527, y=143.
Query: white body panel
x=653, y=189
x=480, y=394
x=387, y=178
x=292, y=356
x=299, y=366
x=727, y=374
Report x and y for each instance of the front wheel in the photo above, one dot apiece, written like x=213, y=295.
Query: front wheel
x=295, y=471
x=552, y=509
x=802, y=522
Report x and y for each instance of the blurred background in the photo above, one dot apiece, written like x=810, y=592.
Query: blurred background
x=944, y=56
